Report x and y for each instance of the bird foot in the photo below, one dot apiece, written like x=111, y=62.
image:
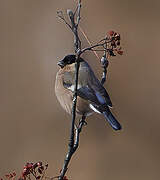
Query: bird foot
x=83, y=122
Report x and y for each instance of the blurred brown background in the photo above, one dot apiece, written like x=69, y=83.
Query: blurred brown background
x=32, y=124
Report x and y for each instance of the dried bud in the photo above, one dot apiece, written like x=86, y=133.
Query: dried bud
x=104, y=61
x=70, y=12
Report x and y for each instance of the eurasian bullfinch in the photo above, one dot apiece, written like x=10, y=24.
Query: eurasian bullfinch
x=91, y=95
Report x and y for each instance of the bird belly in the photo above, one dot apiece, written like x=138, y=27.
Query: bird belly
x=65, y=98
x=82, y=107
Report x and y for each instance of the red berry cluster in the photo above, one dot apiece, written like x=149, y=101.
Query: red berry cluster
x=10, y=176
x=114, y=45
x=31, y=171
x=37, y=170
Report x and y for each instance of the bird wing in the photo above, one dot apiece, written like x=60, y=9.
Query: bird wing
x=88, y=94
x=89, y=87
x=100, y=92
x=95, y=84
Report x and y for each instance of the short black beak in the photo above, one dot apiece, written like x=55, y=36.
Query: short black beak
x=61, y=64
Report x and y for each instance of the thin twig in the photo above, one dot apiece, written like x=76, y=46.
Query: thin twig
x=92, y=47
x=86, y=37
x=61, y=16
x=75, y=11
x=95, y=50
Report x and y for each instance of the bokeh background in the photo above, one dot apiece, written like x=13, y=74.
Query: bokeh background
x=33, y=126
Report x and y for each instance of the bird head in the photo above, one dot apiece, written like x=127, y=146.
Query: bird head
x=67, y=60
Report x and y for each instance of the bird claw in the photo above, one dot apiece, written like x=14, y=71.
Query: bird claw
x=83, y=122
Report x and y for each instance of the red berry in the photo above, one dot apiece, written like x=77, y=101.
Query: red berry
x=120, y=52
x=39, y=163
x=29, y=165
x=111, y=33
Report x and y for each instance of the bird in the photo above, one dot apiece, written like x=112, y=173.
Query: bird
x=91, y=95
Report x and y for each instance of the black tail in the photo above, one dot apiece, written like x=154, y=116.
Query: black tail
x=112, y=120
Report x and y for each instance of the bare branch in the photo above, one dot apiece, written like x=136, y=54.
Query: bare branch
x=95, y=50
x=73, y=142
x=61, y=16
x=75, y=11
x=79, y=13
x=92, y=47
x=78, y=131
x=71, y=16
